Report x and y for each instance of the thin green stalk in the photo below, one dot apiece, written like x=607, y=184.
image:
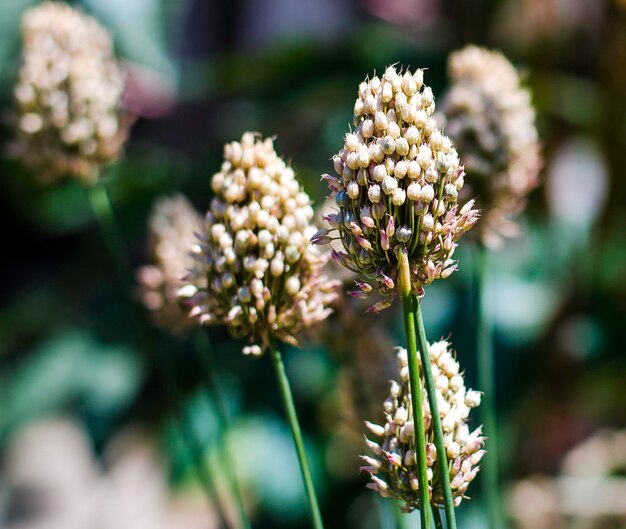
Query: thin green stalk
x=196, y=452
x=431, y=390
x=416, y=388
x=437, y=518
x=486, y=382
x=103, y=211
x=208, y=362
x=290, y=410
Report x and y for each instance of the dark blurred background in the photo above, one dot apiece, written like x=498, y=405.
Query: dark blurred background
x=85, y=413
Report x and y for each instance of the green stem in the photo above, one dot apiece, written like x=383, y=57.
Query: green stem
x=203, y=471
x=416, y=389
x=103, y=211
x=437, y=518
x=486, y=382
x=442, y=459
x=208, y=362
x=290, y=410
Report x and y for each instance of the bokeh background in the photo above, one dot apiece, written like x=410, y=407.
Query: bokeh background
x=92, y=434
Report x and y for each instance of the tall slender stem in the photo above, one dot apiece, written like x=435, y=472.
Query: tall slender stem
x=437, y=518
x=416, y=388
x=292, y=417
x=103, y=211
x=208, y=362
x=442, y=459
x=486, y=382
x=203, y=471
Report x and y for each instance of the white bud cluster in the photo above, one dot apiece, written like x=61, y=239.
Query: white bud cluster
x=396, y=186
x=393, y=468
x=257, y=272
x=69, y=120
x=173, y=224
x=490, y=118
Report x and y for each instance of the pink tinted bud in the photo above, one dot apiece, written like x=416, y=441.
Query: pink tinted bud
x=384, y=240
x=394, y=459
x=321, y=237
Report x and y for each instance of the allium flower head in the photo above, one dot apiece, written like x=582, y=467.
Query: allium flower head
x=173, y=225
x=491, y=120
x=396, y=188
x=257, y=272
x=393, y=466
x=68, y=95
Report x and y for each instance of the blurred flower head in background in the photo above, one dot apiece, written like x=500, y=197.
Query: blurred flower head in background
x=577, y=183
x=257, y=272
x=541, y=22
x=52, y=478
x=397, y=186
x=491, y=121
x=68, y=96
x=173, y=225
x=589, y=491
x=394, y=468
x=405, y=12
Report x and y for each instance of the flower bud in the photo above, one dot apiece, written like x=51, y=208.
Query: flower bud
x=395, y=461
x=374, y=194
x=397, y=152
x=172, y=225
x=490, y=117
x=265, y=234
x=398, y=197
x=69, y=94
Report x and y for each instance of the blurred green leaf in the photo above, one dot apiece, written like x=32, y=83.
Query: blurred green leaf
x=67, y=369
x=266, y=460
x=138, y=28
x=61, y=209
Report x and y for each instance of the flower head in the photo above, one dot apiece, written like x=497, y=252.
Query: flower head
x=393, y=465
x=173, y=225
x=490, y=118
x=257, y=272
x=68, y=95
x=396, y=187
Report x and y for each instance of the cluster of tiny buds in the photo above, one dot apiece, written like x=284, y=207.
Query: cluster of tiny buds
x=396, y=186
x=490, y=118
x=173, y=224
x=68, y=97
x=257, y=272
x=394, y=467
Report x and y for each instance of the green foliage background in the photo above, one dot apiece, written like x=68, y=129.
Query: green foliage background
x=71, y=344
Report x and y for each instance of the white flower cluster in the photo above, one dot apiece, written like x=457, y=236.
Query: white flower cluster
x=490, y=118
x=172, y=225
x=68, y=95
x=394, y=466
x=396, y=186
x=256, y=271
